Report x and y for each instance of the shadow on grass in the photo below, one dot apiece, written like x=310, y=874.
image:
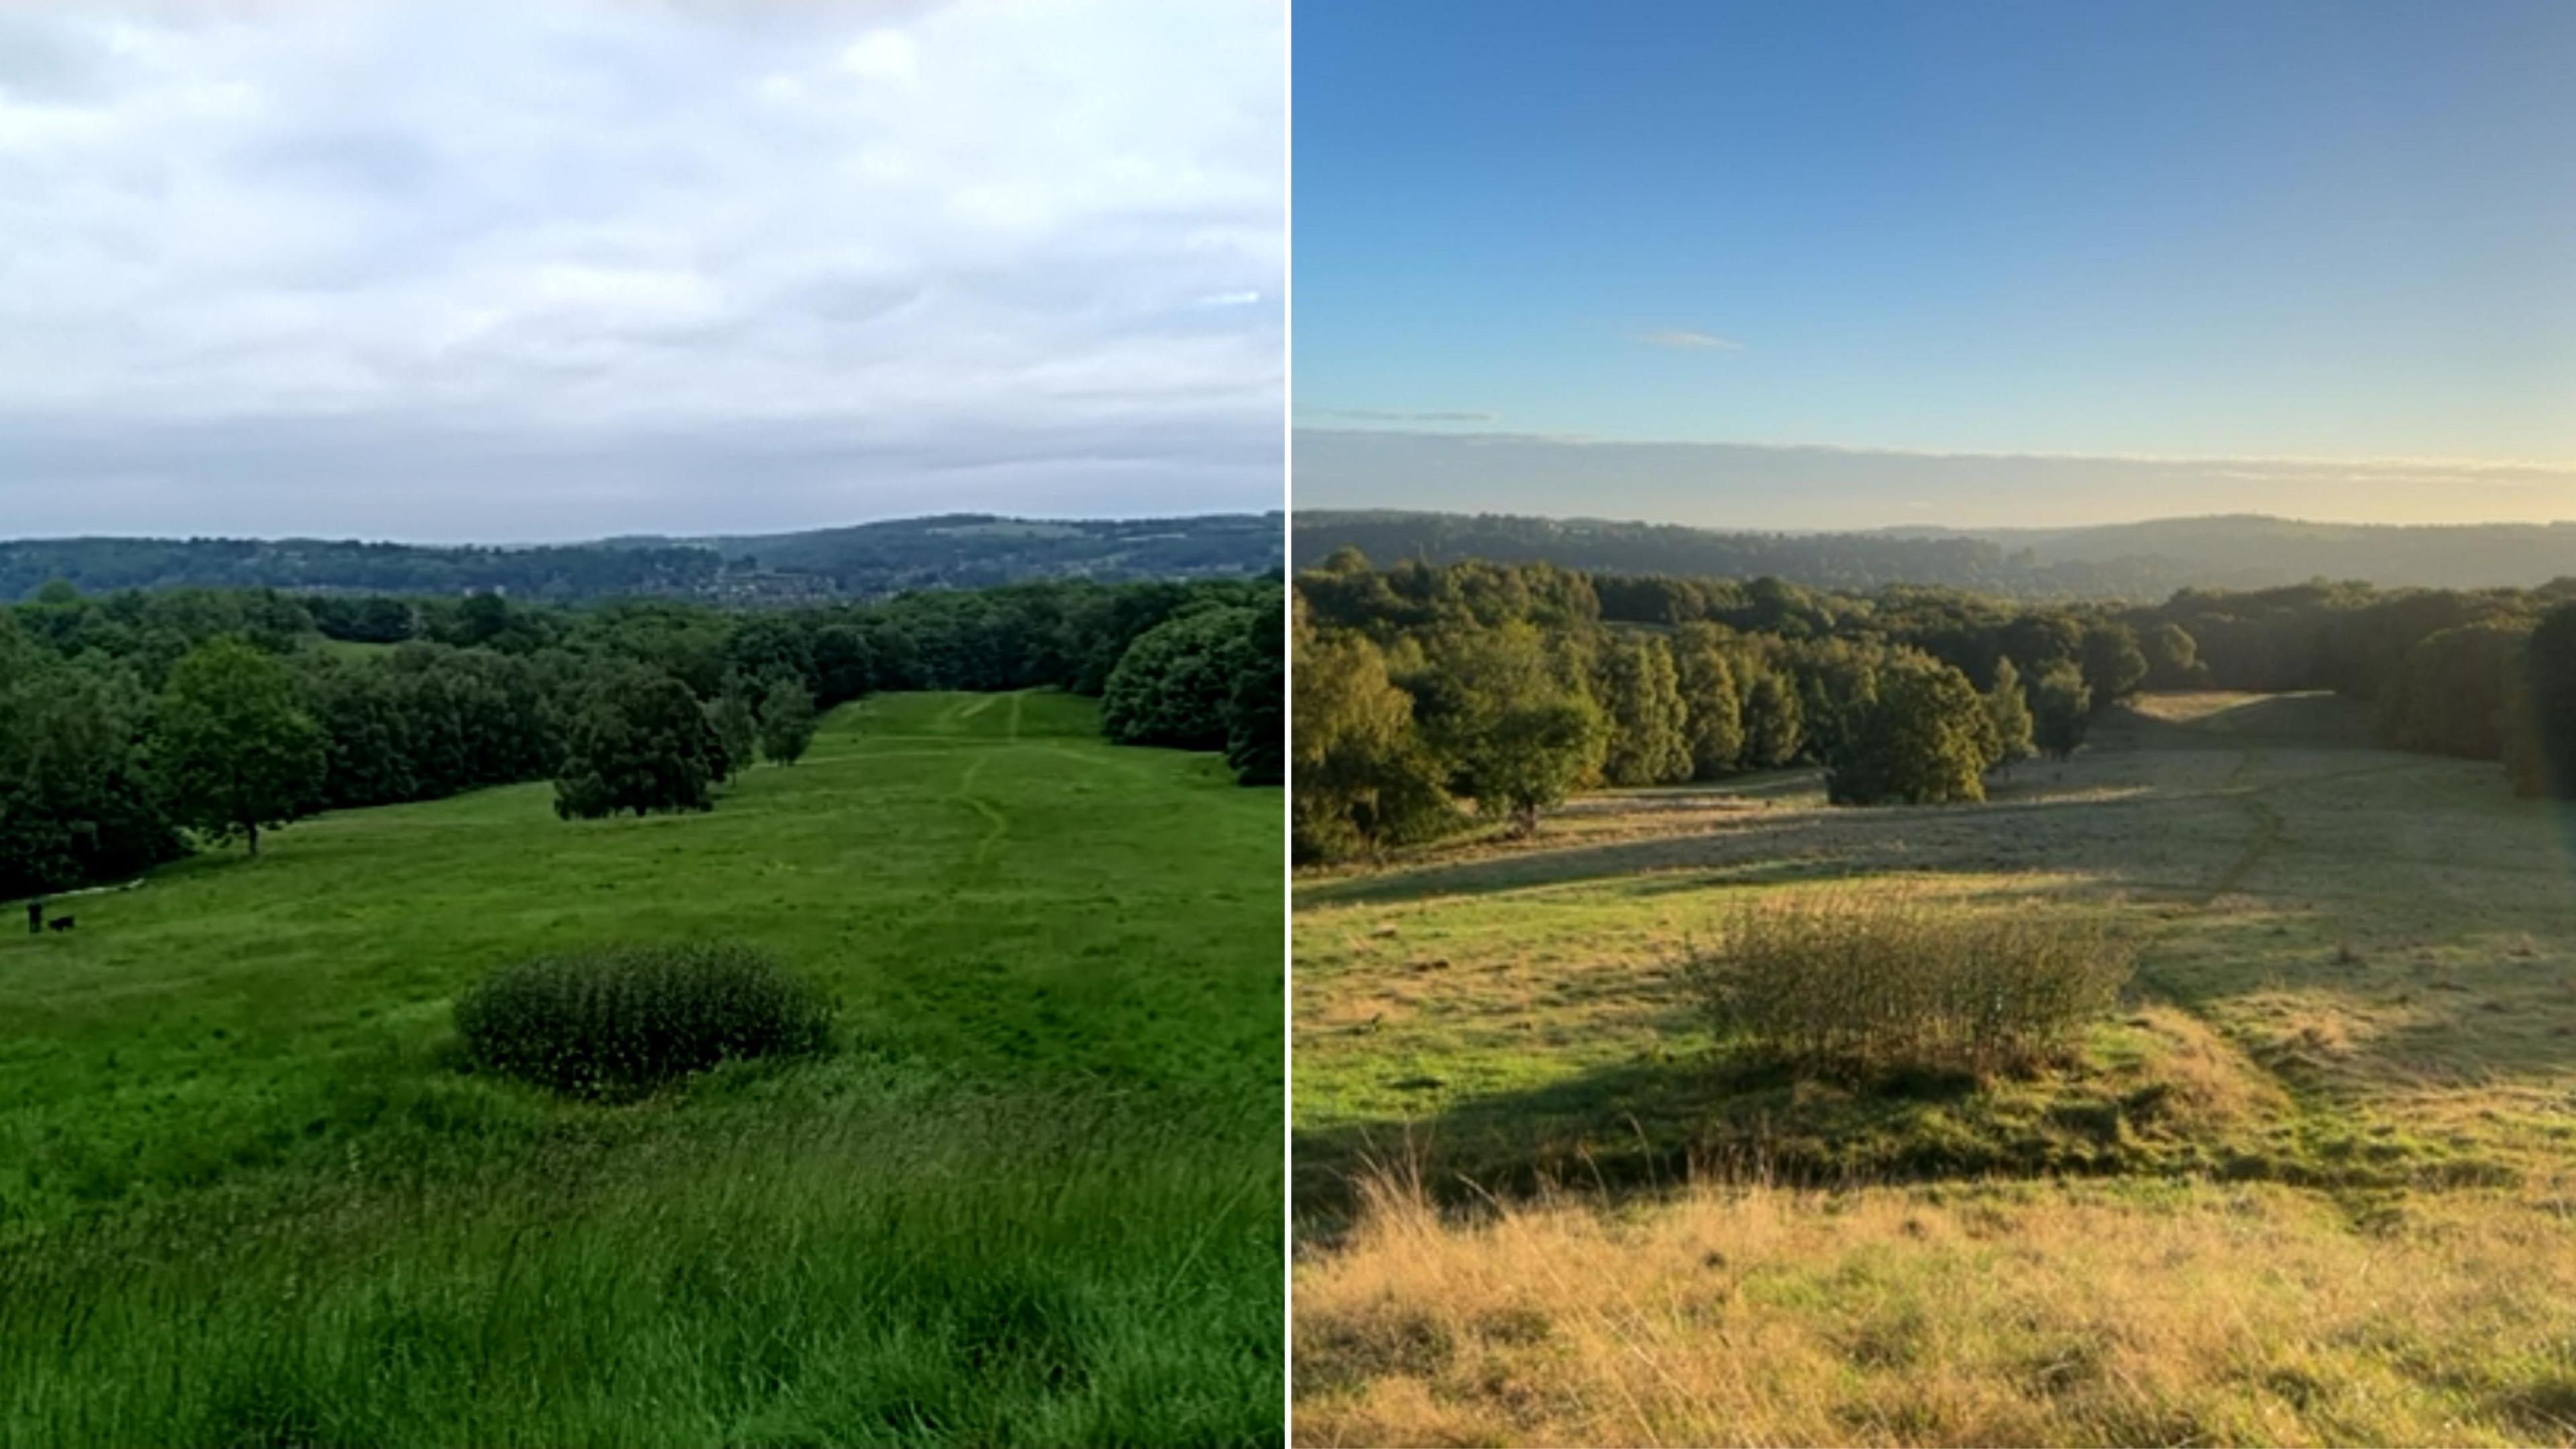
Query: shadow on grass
x=1647, y=1126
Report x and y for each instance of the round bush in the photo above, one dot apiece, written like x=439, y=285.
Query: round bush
x=623, y=1019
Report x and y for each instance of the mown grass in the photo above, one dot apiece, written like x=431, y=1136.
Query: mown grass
x=2354, y=1006
x=250, y=1197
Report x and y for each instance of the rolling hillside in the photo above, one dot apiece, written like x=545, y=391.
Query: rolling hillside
x=866, y=561
x=2138, y=561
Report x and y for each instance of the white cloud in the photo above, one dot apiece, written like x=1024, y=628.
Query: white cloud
x=881, y=55
x=1684, y=337
x=934, y=232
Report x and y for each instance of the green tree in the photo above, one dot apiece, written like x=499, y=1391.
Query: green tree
x=233, y=746
x=1641, y=699
x=1774, y=721
x=2114, y=665
x=2447, y=696
x=639, y=741
x=1256, y=724
x=2009, y=710
x=1925, y=739
x=1709, y=694
x=2547, y=700
x=2525, y=768
x=2173, y=657
x=737, y=727
x=1171, y=686
x=75, y=799
x=1517, y=734
x=1532, y=754
x=2036, y=641
x=2061, y=710
x=786, y=720
x=1360, y=778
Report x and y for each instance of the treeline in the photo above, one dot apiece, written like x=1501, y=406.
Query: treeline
x=867, y=562
x=1424, y=692
x=134, y=723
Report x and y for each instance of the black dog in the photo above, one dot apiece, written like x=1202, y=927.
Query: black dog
x=59, y=923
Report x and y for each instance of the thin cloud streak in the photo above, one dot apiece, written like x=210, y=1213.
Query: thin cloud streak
x=1682, y=337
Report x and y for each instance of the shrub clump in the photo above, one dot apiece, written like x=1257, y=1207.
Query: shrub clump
x=620, y=1020
x=1863, y=984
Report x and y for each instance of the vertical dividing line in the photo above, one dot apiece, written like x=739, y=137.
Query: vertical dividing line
x=1288, y=725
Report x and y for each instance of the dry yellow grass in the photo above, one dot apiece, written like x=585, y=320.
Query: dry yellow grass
x=2023, y=1314
x=2320, y=1168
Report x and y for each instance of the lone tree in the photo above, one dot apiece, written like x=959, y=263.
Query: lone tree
x=2063, y=707
x=1532, y=754
x=1502, y=711
x=638, y=742
x=786, y=721
x=1926, y=740
x=235, y=750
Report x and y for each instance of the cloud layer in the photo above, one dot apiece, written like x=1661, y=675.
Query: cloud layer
x=591, y=268
x=1754, y=486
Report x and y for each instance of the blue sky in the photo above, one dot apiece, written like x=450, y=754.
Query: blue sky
x=2256, y=233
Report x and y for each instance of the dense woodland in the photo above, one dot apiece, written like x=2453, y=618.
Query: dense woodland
x=136, y=724
x=866, y=562
x=1427, y=693
x=2138, y=562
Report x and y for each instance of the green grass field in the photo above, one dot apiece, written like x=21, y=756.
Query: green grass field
x=247, y=1196
x=2346, y=1070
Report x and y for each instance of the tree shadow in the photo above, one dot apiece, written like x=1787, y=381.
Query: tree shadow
x=1648, y=1126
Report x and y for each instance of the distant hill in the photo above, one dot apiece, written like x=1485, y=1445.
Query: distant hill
x=866, y=561
x=2143, y=561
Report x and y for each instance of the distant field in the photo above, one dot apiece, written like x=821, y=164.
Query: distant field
x=2315, y=1182
x=246, y=1197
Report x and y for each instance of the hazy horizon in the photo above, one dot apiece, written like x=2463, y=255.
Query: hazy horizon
x=1794, y=488
x=622, y=535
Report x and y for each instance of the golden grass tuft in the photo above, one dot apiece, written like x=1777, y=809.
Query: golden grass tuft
x=1901, y=979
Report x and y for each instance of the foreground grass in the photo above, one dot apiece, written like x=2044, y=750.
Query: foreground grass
x=2018, y=1314
x=2352, y=1027
x=250, y=1198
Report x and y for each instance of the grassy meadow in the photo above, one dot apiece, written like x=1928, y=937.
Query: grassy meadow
x=248, y=1195
x=2313, y=1181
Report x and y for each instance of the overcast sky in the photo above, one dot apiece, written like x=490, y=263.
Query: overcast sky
x=565, y=270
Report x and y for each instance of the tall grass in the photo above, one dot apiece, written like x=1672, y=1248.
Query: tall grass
x=1039, y=1269
x=1899, y=980
x=2001, y=1314
x=617, y=1020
